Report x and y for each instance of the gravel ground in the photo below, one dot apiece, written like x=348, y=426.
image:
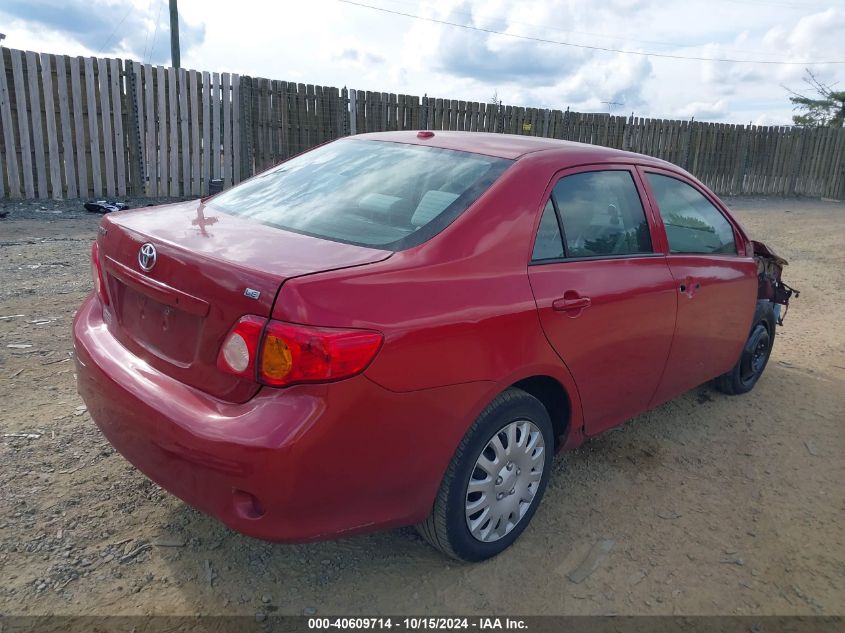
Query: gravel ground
x=708, y=505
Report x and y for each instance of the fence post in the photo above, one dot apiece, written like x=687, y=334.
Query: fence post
x=546, y=122
x=424, y=112
x=136, y=157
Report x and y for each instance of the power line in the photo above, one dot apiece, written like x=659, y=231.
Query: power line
x=588, y=47
x=784, y=5
x=147, y=36
x=603, y=36
x=114, y=30
x=155, y=33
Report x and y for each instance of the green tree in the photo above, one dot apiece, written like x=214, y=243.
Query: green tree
x=821, y=106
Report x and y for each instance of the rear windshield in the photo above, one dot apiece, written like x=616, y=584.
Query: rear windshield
x=369, y=193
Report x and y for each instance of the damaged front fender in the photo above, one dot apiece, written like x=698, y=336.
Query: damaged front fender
x=770, y=284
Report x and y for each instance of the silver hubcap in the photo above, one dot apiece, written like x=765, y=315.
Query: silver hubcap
x=505, y=480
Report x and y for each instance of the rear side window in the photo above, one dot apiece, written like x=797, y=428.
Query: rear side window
x=602, y=214
x=549, y=244
x=369, y=193
x=693, y=224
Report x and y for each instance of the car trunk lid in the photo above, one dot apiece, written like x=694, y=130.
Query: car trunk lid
x=210, y=269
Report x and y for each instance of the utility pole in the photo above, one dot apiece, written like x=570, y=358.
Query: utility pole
x=174, y=34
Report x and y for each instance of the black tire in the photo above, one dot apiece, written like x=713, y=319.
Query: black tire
x=755, y=354
x=446, y=527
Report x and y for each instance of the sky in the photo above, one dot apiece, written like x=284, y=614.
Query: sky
x=334, y=43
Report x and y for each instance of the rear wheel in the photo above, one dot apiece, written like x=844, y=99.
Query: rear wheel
x=754, y=358
x=495, y=480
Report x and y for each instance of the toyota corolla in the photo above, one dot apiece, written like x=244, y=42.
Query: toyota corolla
x=402, y=329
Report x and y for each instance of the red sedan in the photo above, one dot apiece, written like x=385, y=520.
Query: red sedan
x=402, y=328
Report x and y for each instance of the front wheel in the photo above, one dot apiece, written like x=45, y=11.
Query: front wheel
x=753, y=360
x=495, y=480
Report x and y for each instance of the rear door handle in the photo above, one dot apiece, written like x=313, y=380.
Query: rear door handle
x=564, y=304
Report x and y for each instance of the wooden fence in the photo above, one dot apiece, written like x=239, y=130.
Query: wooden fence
x=75, y=127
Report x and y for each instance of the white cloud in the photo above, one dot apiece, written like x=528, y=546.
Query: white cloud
x=704, y=110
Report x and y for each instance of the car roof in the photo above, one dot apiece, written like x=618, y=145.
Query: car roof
x=513, y=146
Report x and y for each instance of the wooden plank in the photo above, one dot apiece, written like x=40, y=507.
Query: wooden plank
x=821, y=167
x=185, y=134
x=79, y=127
x=196, y=163
x=820, y=155
x=246, y=124
x=37, y=124
x=93, y=127
x=161, y=117
x=283, y=106
x=343, y=118
x=12, y=172
x=754, y=176
x=151, y=127
x=173, y=118
x=353, y=112
x=718, y=146
x=821, y=163
x=770, y=154
x=206, y=131
x=26, y=171
x=836, y=188
x=68, y=162
x=215, y=132
x=53, y=159
x=780, y=161
x=301, y=110
x=739, y=163
x=236, y=129
x=227, y=131
x=106, y=121
x=829, y=172
x=279, y=117
x=762, y=148
x=268, y=93
x=117, y=100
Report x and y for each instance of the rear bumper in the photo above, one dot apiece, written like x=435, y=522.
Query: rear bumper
x=296, y=464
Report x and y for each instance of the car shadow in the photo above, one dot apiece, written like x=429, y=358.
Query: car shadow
x=660, y=488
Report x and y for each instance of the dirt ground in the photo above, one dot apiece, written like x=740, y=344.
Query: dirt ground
x=709, y=504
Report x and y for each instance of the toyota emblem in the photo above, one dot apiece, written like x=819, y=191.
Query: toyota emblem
x=147, y=257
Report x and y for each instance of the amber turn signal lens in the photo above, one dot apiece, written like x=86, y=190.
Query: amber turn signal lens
x=276, y=359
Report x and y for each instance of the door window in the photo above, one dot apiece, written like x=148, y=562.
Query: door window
x=601, y=214
x=693, y=224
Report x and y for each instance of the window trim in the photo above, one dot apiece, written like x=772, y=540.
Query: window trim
x=564, y=260
x=739, y=237
x=559, y=175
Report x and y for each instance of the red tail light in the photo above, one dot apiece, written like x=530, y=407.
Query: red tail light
x=281, y=354
x=97, y=274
